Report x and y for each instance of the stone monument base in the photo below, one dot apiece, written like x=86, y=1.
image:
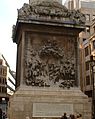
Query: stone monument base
x=32, y=102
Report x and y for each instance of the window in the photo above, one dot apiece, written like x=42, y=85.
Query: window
x=0, y=80
x=4, y=71
x=0, y=71
x=93, y=17
x=94, y=44
x=87, y=66
x=86, y=51
x=84, y=39
x=87, y=28
x=88, y=80
x=4, y=80
x=0, y=89
x=90, y=48
x=87, y=17
x=3, y=90
x=1, y=61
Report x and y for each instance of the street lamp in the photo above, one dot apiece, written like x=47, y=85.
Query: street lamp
x=92, y=63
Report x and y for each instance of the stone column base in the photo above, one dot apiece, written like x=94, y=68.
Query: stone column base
x=30, y=102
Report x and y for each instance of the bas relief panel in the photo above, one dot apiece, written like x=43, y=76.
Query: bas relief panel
x=50, y=61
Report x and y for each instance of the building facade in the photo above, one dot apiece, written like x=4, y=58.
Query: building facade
x=85, y=51
x=86, y=44
x=7, y=83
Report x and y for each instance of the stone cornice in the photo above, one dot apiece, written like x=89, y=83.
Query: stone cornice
x=65, y=24
x=50, y=11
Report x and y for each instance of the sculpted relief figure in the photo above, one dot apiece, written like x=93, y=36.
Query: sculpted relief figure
x=49, y=67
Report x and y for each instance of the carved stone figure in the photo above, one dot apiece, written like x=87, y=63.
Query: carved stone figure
x=42, y=70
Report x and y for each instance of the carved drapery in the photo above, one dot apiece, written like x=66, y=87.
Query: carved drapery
x=48, y=65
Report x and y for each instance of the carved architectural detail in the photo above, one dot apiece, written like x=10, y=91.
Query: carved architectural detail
x=50, y=10
x=77, y=17
x=43, y=9
x=51, y=49
x=46, y=72
x=24, y=11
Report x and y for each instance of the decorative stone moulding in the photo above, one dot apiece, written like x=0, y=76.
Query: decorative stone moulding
x=50, y=10
x=32, y=1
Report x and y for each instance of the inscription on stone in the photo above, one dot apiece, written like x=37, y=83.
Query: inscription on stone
x=51, y=110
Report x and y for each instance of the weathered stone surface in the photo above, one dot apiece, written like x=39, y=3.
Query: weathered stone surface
x=32, y=1
x=50, y=10
x=50, y=62
x=48, y=75
x=36, y=103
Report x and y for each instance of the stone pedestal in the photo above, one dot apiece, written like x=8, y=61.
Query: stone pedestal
x=47, y=73
x=41, y=103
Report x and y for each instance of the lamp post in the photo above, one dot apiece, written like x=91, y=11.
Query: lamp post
x=92, y=62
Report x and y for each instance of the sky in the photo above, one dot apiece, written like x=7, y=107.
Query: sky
x=8, y=18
